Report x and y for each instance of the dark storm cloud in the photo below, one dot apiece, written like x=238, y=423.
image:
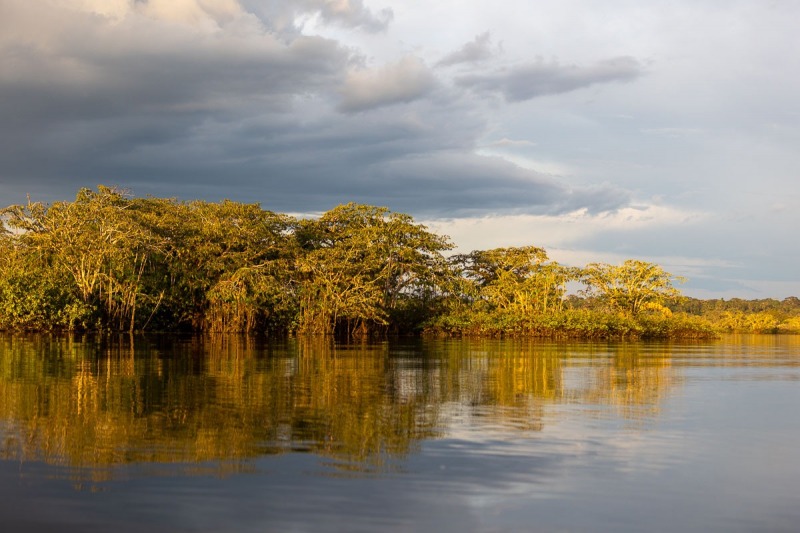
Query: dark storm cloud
x=214, y=104
x=431, y=185
x=538, y=79
x=80, y=93
x=144, y=67
x=456, y=184
x=407, y=163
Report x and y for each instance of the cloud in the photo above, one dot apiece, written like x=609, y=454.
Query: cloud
x=204, y=98
x=282, y=15
x=538, y=79
x=510, y=143
x=401, y=82
x=407, y=163
x=142, y=64
x=80, y=87
x=569, y=235
x=193, y=12
x=459, y=184
x=217, y=12
x=352, y=13
x=477, y=50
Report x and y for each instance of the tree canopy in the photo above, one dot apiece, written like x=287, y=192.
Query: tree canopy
x=109, y=261
x=632, y=286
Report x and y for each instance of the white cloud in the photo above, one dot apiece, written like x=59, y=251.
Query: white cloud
x=522, y=153
x=108, y=8
x=558, y=231
x=401, y=82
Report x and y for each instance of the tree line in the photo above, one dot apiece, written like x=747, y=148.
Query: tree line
x=110, y=261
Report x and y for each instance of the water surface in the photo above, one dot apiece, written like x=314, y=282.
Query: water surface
x=241, y=434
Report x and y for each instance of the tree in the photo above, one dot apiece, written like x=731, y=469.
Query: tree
x=225, y=265
x=33, y=295
x=517, y=279
x=96, y=243
x=631, y=287
x=215, y=266
x=356, y=264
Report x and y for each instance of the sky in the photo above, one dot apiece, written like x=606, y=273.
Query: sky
x=665, y=131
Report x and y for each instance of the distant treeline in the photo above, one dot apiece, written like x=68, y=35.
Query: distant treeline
x=107, y=261
x=745, y=316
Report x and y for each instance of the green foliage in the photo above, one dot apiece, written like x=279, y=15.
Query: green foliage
x=31, y=298
x=632, y=287
x=747, y=316
x=94, y=245
x=516, y=280
x=572, y=323
x=359, y=264
x=112, y=262
x=741, y=322
x=563, y=324
x=109, y=261
x=679, y=325
x=790, y=325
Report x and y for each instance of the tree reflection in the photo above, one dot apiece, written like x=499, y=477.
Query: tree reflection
x=91, y=403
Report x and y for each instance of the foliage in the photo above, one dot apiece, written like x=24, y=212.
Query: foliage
x=517, y=280
x=747, y=316
x=358, y=264
x=632, y=287
x=108, y=261
x=31, y=298
x=132, y=261
x=94, y=250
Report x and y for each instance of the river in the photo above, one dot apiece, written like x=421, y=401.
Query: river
x=171, y=433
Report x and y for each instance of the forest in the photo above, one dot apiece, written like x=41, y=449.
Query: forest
x=108, y=261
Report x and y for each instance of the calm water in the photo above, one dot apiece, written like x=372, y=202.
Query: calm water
x=188, y=434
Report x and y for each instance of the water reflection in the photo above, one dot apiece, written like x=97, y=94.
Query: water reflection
x=89, y=402
x=92, y=403
x=444, y=436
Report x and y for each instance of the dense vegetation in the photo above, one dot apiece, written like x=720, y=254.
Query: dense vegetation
x=107, y=261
